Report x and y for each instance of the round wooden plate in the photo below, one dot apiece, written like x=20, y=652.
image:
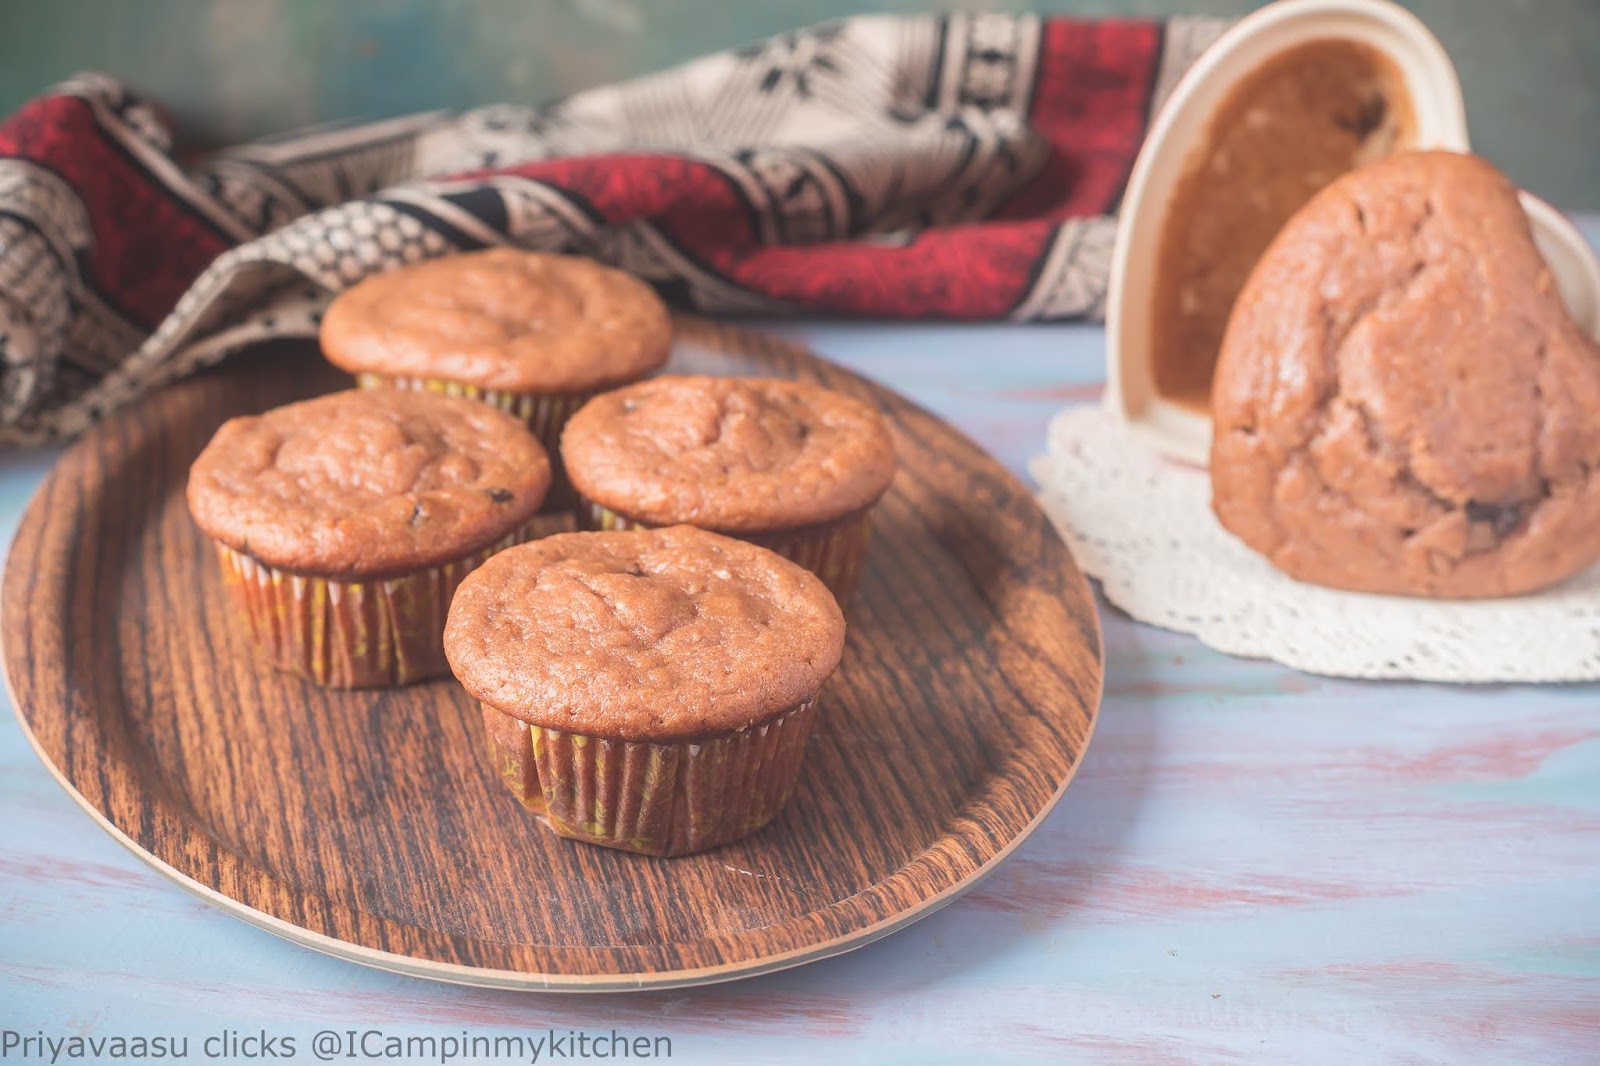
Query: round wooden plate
x=370, y=825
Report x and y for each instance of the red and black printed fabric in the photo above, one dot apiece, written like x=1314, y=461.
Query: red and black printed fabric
x=962, y=166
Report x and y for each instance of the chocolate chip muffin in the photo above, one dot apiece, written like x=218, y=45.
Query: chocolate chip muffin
x=533, y=334
x=1403, y=404
x=345, y=522
x=788, y=465
x=650, y=690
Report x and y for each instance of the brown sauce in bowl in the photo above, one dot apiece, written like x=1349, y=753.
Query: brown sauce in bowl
x=1293, y=125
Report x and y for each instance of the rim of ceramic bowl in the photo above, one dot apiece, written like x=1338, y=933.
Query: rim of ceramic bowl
x=1571, y=259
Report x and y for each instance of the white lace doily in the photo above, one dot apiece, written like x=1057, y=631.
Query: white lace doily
x=1144, y=527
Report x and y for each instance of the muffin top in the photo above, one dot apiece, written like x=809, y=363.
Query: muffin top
x=658, y=634
x=502, y=319
x=735, y=454
x=1403, y=404
x=367, y=483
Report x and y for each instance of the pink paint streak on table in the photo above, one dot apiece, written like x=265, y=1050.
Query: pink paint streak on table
x=1253, y=864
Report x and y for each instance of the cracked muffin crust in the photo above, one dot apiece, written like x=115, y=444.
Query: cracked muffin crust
x=367, y=483
x=655, y=635
x=1402, y=404
x=737, y=455
x=503, y=319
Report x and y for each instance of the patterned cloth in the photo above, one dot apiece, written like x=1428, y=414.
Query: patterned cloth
x=964, y=166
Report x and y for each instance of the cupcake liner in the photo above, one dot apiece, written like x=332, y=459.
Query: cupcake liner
x=655, y=799
x=350, y=634
x=545, y=414
x=833, y=551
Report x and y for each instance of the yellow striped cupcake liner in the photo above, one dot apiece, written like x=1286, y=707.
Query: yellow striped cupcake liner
x=833, y=551
x=655, y=799
x=350, y=634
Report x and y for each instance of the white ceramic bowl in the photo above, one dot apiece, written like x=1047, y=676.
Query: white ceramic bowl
x=1571, y=260
x=1179, y=130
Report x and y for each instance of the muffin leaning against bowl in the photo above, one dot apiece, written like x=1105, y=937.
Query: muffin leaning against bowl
x=788, y=465
x=345, y=522
x=530, y=333
x=1403, y=404
x=649, y=690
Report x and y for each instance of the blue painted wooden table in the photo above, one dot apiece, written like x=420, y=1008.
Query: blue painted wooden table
x=1252, y=865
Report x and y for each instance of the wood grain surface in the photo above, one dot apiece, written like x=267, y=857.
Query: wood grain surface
x=369, y=825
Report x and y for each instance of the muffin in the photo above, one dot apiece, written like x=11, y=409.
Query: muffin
x=344, y=524
x=787, y=465
x=649, y=690
x=532, y=334
x=1403, y=404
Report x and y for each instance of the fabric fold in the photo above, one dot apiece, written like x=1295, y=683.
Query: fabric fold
x=963, y=166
